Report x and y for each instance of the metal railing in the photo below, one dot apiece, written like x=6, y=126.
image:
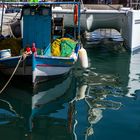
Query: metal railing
x=135, y=4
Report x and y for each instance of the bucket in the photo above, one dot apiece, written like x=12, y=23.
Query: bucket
x=5, y=53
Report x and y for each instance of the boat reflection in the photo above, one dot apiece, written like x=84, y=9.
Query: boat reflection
x=102, y=90
x=97, y=101
x=71, y=107
x=97, y=92
x=39, y=114
x=134, y=75
x=51, y=110
x=44, y=94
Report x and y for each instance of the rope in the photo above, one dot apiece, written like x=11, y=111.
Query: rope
x=11, y=75
x=113, y=7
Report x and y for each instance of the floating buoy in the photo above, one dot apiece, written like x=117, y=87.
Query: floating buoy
x=81, y=92
x=83, y=58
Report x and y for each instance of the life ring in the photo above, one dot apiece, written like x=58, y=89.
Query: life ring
x=76, y=14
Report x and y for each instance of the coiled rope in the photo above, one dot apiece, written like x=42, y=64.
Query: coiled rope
x=11, y=75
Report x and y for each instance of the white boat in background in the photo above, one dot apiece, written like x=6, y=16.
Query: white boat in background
x=125, y=20
x=1, y=11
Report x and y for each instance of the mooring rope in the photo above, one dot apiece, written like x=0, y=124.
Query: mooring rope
x=11, y=75
x=113, y=7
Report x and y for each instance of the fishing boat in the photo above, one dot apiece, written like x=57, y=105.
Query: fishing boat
x=46, y=50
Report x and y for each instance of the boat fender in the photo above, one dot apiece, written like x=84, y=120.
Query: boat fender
x=81, y=92
x=83, y=58
x=76, y=14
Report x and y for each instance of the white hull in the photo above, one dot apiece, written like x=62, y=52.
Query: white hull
x=42, y=72
x=125, y=20
x=51, y=71
x=1, y=15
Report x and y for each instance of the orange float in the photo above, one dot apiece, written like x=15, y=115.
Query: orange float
x=76, y=14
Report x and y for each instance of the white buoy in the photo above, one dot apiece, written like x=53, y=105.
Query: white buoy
x=83, y=58
x=81, y=92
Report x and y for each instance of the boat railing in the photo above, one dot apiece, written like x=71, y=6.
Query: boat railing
x=135, y=4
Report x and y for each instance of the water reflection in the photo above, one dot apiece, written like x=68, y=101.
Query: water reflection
x=109, y=78
x=51, y=113
x=15, y=110
x=29, y=115
x=134, y=75
x=7, y=113
x=93, y=89
x=73, y=106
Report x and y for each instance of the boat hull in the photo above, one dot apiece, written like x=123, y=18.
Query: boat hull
x=38, y=67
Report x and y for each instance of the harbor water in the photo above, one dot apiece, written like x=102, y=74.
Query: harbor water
x=98, y=103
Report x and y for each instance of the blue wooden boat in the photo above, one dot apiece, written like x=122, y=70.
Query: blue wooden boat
x=39, y=31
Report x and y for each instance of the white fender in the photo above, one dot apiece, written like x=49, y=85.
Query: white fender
x=83, y=58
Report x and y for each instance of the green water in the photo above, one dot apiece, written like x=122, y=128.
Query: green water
x=101, y=102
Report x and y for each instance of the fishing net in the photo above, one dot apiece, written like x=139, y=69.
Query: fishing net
x=63, y=47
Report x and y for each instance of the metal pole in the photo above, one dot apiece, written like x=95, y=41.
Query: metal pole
x=79, y=14
x=2, y=16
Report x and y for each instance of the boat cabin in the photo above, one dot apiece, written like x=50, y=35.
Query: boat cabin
x=37, y=26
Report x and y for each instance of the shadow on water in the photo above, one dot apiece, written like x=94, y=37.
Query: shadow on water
x=86, y=104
